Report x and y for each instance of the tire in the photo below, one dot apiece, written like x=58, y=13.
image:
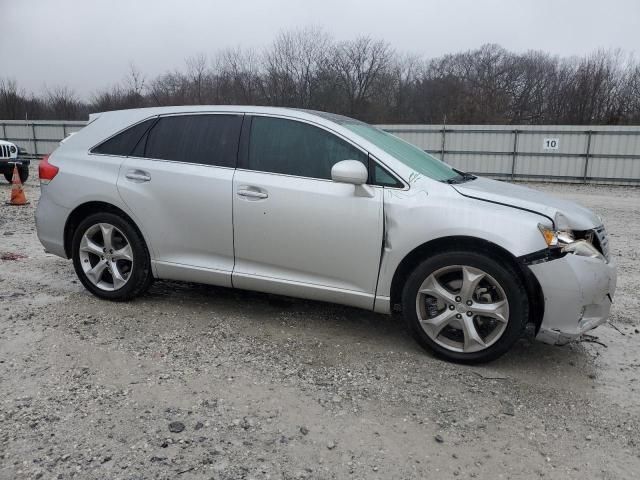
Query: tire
x=23, y=172
x=116, y=273
x=444, y=320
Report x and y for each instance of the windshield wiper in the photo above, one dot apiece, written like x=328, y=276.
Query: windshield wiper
x=454, y=180
x=464, y=176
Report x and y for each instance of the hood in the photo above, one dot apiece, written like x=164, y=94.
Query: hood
x=576, y=216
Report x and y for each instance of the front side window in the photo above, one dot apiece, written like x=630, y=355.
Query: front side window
x=203, y=139
x=294, y=148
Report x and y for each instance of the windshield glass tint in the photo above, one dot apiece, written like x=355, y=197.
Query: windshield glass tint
x=411, y=156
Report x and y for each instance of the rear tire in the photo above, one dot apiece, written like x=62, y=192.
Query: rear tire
x=111, y=258
x=465, y=307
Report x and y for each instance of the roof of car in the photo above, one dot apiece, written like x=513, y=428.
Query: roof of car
x=104, y=125
x=152, y=111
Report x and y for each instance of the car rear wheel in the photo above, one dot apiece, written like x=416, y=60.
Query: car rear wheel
x=23, y=171
x=110, y=257
x=465, y=306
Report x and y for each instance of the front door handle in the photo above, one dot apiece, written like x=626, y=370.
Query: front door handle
x=252, y=194
x=138, y=175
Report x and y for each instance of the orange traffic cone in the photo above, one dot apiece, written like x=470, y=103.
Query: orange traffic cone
x=17, y=194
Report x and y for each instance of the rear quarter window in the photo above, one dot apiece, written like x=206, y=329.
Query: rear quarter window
x=124, y=142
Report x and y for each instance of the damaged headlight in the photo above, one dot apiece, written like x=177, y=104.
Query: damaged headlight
x=556, y=238
x=564, y=241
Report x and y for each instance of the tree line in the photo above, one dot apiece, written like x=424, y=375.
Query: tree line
x=367, y=79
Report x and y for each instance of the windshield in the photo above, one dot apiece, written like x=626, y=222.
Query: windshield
x=411, y=156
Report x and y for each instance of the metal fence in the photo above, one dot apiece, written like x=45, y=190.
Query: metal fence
x=39, y=137
x=589, y=154
x=593, y=154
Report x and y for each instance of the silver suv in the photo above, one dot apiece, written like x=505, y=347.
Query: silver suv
x=319, y=206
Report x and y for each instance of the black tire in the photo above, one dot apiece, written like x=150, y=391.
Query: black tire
x=502, y=272
x=23, y=172
x=140, y=278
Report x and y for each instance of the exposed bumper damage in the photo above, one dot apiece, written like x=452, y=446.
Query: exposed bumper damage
x=578, y=293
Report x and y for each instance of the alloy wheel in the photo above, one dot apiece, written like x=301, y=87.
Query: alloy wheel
x=106, y=256
x=462, y=308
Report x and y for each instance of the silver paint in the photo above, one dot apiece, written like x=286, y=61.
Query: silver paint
x=314, y=238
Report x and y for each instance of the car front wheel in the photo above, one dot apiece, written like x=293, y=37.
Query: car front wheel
x=110, y=257
x=465, y=306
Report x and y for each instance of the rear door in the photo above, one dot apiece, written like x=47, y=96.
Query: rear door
x=178, y=184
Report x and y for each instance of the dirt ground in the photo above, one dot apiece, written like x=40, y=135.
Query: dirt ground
x=193, y=381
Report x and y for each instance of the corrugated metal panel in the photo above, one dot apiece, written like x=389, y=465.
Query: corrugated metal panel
x=39, y=137
x=602, y=154
x=15, y=131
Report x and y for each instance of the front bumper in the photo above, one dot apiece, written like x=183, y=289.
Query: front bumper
x=578, y=292
x=9, y=162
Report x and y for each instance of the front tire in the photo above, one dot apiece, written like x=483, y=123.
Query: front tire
x=464, y=306
x=110, y=257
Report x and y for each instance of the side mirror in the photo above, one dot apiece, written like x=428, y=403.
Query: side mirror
x=349, y=171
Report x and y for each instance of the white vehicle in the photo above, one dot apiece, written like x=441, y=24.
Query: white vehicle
x=9, y=155
x=320, y=206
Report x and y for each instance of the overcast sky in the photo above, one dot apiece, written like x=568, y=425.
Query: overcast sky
x=89, y=44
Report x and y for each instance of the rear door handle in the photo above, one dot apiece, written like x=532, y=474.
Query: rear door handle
x=138, y=176
x=252, y=194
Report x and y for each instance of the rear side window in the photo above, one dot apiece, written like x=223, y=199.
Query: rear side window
x=294, y=148
x=123, y=143
x=203, y=139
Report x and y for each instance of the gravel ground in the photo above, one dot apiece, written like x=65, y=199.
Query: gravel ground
x=194, y=381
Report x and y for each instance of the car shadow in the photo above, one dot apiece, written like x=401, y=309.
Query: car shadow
x=363, y=330
x=310, y=320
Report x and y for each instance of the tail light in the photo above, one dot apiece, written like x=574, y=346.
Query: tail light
x=46, y=171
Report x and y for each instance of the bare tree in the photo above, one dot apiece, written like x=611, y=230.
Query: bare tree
x=197, y=72
x=293, y=64
x=11, y=100
x=62, y=102
x=240, y=79
x=366, y=79
x=359, y=65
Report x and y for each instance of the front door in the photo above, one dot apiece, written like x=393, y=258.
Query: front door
x=296, y=232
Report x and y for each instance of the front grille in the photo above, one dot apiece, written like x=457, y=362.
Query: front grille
x=601, y=240
x=4, y=151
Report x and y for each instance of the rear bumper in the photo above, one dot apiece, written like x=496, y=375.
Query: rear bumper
x=578, y=292
x=50, y=221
